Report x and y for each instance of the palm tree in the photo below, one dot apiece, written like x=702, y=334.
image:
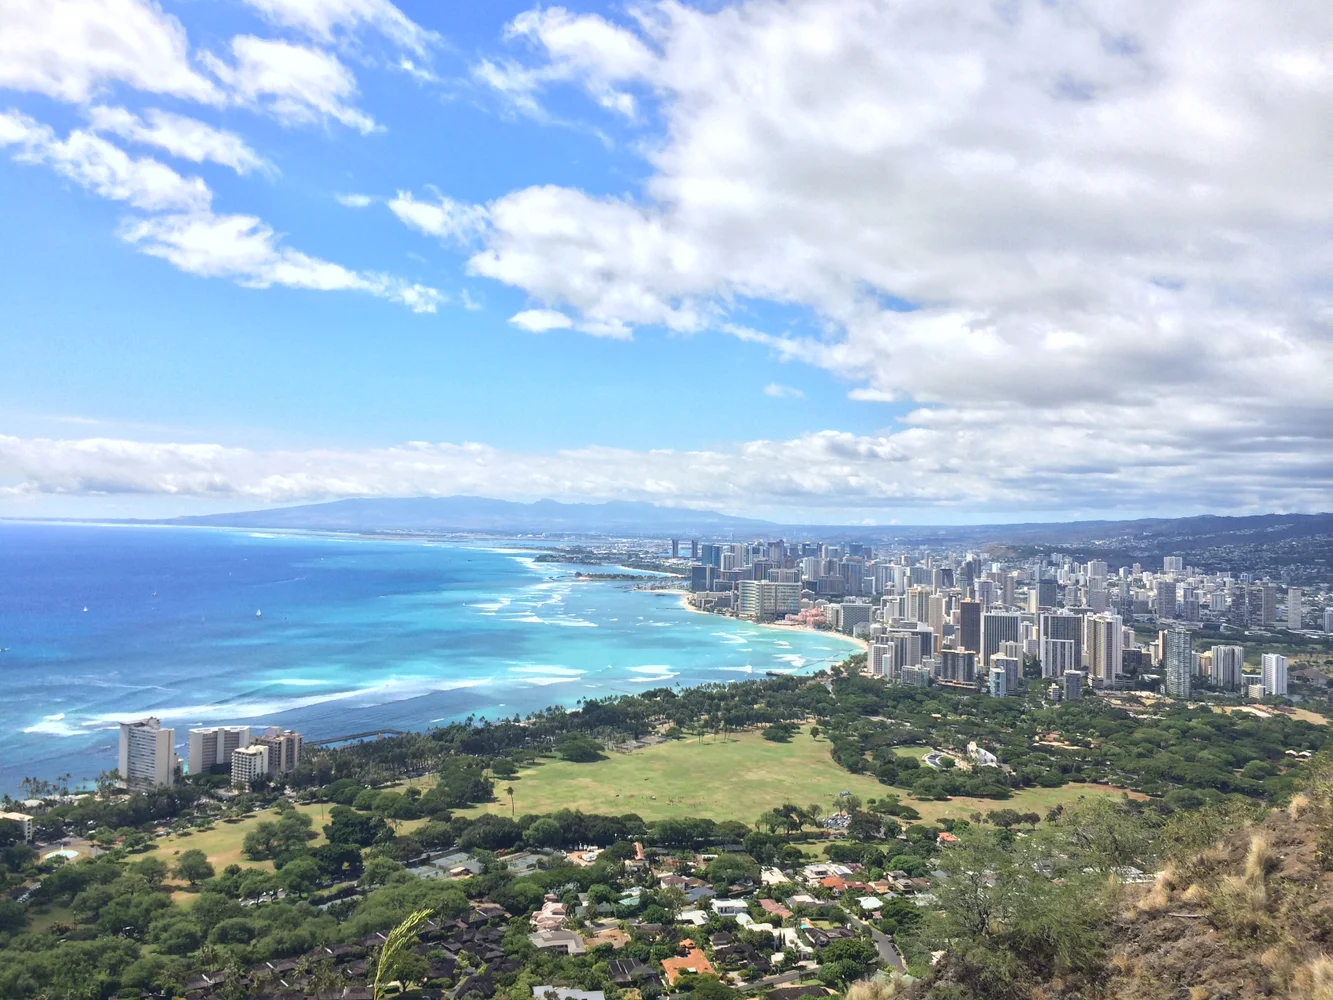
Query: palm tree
x=399, y=941
x=510, y=792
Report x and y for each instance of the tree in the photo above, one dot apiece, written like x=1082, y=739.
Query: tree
x=580, y=749
x=153, y=870
x=299, y=876
x=510, y=792
x=378, y=871
x=544, y=832
x=347, y=826
x=194, y=866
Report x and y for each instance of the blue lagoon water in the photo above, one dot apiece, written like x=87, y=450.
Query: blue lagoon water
x=355, y=634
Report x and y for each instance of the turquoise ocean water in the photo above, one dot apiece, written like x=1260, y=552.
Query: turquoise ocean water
x=352, y=635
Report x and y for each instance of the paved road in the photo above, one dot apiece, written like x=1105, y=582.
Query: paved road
x=888, y=951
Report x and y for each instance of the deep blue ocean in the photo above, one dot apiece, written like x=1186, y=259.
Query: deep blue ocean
x=354, y=634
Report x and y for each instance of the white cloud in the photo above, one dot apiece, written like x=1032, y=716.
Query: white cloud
x=778, y=391
x=244, y=249
x=930, y=463
x=296, y=84
x=443, y=218
x=72, y=49
x=1066, y=216
x=354, y=200
x=184, y=230
x=328, y=20
x=586, y=49
x=541, y=320
x=186, y=138
x=104, y=169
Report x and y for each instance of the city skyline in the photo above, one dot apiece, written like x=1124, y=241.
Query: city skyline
x=808, y=262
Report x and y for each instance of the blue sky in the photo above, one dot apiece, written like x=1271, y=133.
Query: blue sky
x=810, y=261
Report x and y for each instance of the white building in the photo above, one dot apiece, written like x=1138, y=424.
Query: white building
x=999, y=682
x=1228, y=664
x=881, y=660
x=1063, y=627
x=248, y=763
x=998, y=627
x=1275, y=674
x=147, y=755
x=1177, y=662
x=284, y=749
x=1103, y=648
x=768, y=599
x=23, y=820
x=1294, y=607
x=213, y=745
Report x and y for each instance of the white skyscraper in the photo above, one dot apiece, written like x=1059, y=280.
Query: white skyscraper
x=1293, y=607
x=1177, y=663
x=147, y=754
x=211, y=746
x=1058, y=657
x=1275, y=674
x=248, y=763
x=1103, y=643
x=1328, y=620
x=1228, y=664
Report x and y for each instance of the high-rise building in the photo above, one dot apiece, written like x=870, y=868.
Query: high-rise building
x=284, y=749
x=763, y=599
x=1173, y=564
x=1047, y=590
x=906, y=648
x=694, y=549
x=1013, y=670
x=918, y=603
x=1072, y=684
x=969, y=625
x=147, y=754
x=212, y=746
x=881, y=659
x=999, y=682
x=1275, y=675
x=935, y=616
x=998, y=627
x=1165, y=600
x=850, y=614
x=958, y=665
x=1177, y=662
x=1103, y=643
x=1294, y=607
x=1059, y=625
x=1328, y=620
x=1228, y=663
x=1267, y=594
x=249, y=763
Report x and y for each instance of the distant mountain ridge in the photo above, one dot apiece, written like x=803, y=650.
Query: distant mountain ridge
x=620, y=517
x=465, y=513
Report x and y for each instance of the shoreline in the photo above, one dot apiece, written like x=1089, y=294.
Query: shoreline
x=684, y=595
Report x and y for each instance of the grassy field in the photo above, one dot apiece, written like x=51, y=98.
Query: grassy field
x=734, y=779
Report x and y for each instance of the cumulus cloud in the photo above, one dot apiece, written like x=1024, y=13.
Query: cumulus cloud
x=354, y=200
x=244, y=249
x=183, y=137
x=1065, y=215
x=71, y=49
x=102, y=168
x=327, y=21
x=778, y=391
x=184, y=230
x=584, y=49
x=541, y=320
x=296, y=84
x=931, y=462
x=443, y=218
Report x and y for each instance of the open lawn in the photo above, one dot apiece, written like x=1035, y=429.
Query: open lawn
x=222, y=844
x=738, y=778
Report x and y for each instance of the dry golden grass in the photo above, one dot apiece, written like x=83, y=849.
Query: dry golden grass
x=872, y=989
x=1260, y=861
x=1316, y=978
x=1299, y=805
x=1157, y=899
x=1196, y=895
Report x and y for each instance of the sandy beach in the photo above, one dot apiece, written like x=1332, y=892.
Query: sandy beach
x=860, y=644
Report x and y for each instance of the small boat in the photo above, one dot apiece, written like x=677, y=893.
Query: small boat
x=85, y=609
x=258, y=614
